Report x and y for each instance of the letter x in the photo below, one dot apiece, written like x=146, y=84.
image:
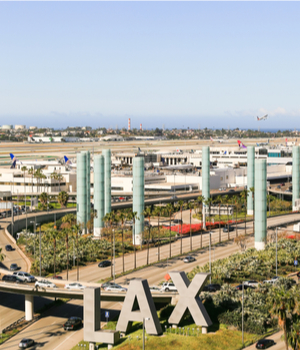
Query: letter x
x=189, y=298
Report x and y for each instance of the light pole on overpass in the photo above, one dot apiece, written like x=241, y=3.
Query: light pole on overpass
x=40, y=242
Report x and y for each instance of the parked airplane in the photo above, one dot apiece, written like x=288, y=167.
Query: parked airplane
x=220, y=141
x=41, y=163
x=263, y=143
x=241, y=145
x=262, y=118
x=73, y=165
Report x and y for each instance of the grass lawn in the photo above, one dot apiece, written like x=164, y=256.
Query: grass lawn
x=222, y=339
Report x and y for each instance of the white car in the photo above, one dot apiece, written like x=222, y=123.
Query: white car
x=45, y=284
x=115, y=288
x=168, y=287
x=272, y=280
x=251, y=283
x=24, y=276
x=155, y=289
x=76, y=286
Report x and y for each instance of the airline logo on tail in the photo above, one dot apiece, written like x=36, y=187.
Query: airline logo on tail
x=241, y=145
x=211, y=139
x=67, y=160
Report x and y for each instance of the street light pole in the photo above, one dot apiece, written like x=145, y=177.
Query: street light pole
x=243, y=314
x=144, y=319
x=276, y=249
x=114, y=258
x=210, y=257
x=40, y=252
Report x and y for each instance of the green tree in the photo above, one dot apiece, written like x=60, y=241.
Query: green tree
x=180, y=206
x=53, y=234
x=157, y=212
x=44, y=200
x=63, y=198
x=110, y=218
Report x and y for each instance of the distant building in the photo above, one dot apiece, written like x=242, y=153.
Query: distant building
x=20, y=127
x=32, y=127
x=7, y=127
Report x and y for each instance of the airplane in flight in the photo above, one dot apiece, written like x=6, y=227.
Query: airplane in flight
x=265, y=117
x=241, y=145
x=39, y=163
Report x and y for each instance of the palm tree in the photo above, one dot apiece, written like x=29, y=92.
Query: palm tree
x=53, y=234
x=110, y=218
x=157, y=212
x=63, y=198
x=180, y=205
x=219, y=200
x=69, y=219
x=282, y=304
x=132, y=215
x=122, y=218
x=43, y=199
x=200, y=200
x=65, y=231
x=225, y=200
x=236, y=204
x=244, y=196
x=24, y=169
x=147, y=213
x=170, y=209
x=190, y=206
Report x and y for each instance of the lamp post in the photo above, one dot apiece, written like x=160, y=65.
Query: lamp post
x=210, y=257
x=144, y=319
x=243, y=314
x=114, y=257
x=40, y=238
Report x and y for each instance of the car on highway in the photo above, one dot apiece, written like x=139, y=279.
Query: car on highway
x=177, y=221
x=212, y=287
x=25, y=276
x=155, y=289
x=26, y=343
x=106, y=284
x=56, y=277
x=8, y=248
x=73, y=323
x=231, y=191
x=75, y=286
x=168, y=287
x=272, y=280
x=225, y=229
x=278, y=187
x=251, y=283
x=115, y=288
x=14, y=267
x=264, y=343
x=45, y=284
x=189, y=259
x=12, y=279
x=104, y=263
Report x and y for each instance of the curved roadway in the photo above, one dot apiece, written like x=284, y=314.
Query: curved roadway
x=48, y=330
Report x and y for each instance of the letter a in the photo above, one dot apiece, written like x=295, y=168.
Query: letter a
x=189, y=298
x=139, y=305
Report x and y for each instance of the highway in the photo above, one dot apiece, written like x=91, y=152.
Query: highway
x=53, y=337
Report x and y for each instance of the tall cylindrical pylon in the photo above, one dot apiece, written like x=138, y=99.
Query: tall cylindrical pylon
x=205, y=179
x=88, y=185
x=98, y=194
x=250, y=178
x=107, y=180
x=260, y=208
x=81, y=190
x=138, y=198
x=296, y=175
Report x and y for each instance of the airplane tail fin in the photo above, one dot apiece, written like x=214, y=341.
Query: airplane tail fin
x=14, y=161
x=211, y=139
x=257, y=118
x=67, y=160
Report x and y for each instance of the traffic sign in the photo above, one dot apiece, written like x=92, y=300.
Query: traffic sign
x=106, y=314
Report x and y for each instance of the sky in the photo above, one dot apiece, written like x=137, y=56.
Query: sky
x=177, y=64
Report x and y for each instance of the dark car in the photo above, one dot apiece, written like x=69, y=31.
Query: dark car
x=11, y=278
x=104, y=263
x=8, y=248
x=73, y=323
x=26, y=343
x=212, y=287
x=177, y=221
x=225, y=229
x=14, y=267
x=264, y=343
x=240, y=287
x=298, y=274
x=57, y=277
x=189, y=259
x=231, y=191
